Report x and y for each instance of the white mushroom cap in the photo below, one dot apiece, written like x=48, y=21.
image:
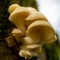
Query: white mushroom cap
x=40, y=30
x=34, y=17
x=17, y=17
x=12, y=7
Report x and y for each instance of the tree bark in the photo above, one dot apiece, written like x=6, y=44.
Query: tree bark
x=6, y=27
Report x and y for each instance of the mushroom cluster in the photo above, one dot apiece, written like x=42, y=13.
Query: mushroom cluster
x=32, y=30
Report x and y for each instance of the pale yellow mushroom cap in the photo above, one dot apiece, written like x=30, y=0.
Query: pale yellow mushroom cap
x=34, y=17
x=17, y=17
x=32, y=46
x=40, y=30
x=12, y=7
x=51, y=41
x=25, y=53
x=19, y=13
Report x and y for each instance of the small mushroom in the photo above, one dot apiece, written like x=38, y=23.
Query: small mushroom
x=34, y=17
x=12, y=7
x=25, y=53
x=17, y=17
x=10, y=41
x=34, y=50
x=40, y=31
x=17, y=34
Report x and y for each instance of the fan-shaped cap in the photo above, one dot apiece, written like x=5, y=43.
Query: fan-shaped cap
x=17, y=17
x=40, y=30
x=51, y=41
x=34, y=17
x=19, y=13
x=12, y=7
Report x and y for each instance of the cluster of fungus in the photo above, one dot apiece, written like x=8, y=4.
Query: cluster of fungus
x=32, y=30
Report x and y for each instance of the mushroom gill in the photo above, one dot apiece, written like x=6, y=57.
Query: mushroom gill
x=41, y=31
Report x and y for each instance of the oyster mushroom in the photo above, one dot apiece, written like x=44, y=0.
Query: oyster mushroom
x=34, y=17
x=41, y=31
x=17, y=17
x=17, y=34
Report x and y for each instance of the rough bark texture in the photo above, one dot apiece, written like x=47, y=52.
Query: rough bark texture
x=6, y=26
